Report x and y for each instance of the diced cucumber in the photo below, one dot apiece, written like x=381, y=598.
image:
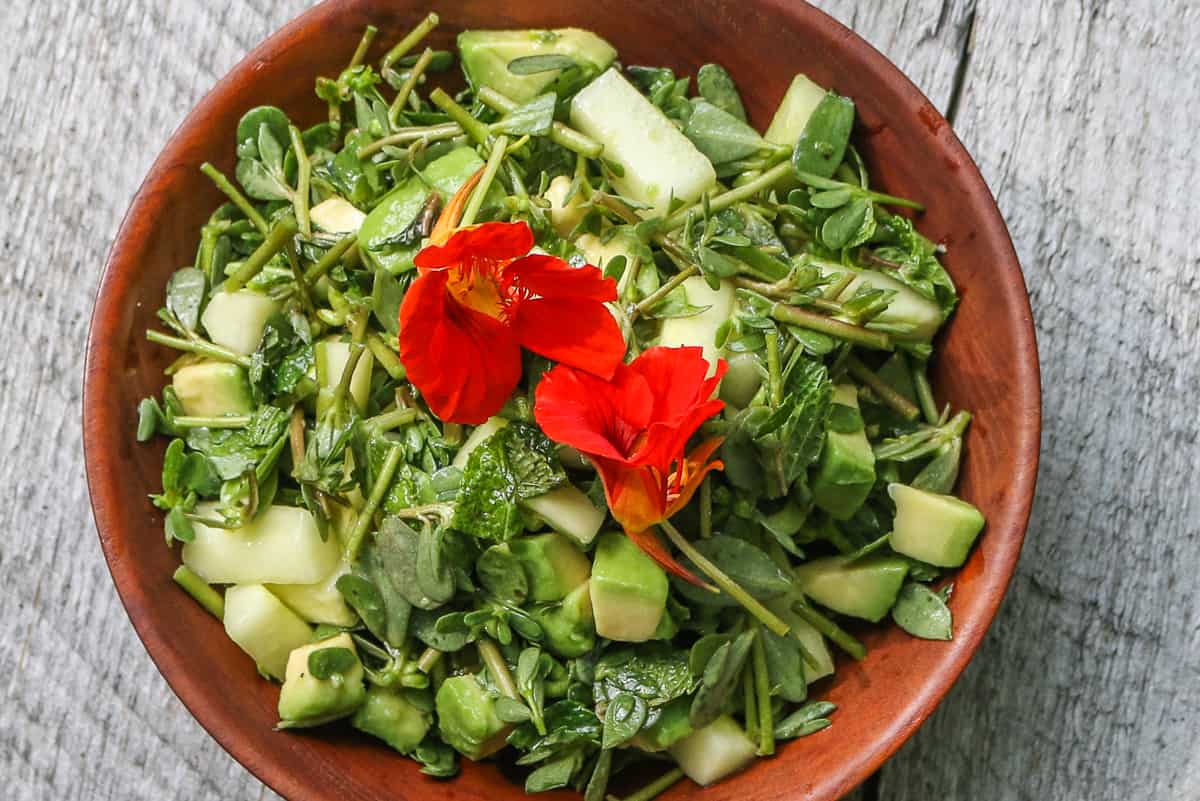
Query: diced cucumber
x=938, y=529
x=263, y=627
x=480, y=433
x=657, y=161
x=331, y=357
x=700, y=330
x=569, y=511
x=564, y=216
x=920, y=316
x=718, y=750
x=236, y=320
x=629, y=590
x=846, y=470
x=741, y=383
x=816, y=647
x=212, y=389
x=801, y=98
x=486, y=56
x=319, y=602
x=864, y=588
x=280, y=546
x=600, y=253
x=336, y=215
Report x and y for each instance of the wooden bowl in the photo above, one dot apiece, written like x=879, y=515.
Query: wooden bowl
x=987, y=363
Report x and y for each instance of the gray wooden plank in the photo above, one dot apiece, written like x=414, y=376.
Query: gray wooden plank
x=1082, y=117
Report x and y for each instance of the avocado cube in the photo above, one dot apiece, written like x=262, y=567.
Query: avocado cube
x=467, y=718
x=552, y=563
x=388, y=715
x=846, y=470
x=864, y=588
x=673, y=724
x=628, y=589
x=569, y=628
x=212, y=389
x=307, y=701
x=933, y=528
x=486, y=55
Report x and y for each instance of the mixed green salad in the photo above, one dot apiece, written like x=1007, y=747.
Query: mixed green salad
x=567, y=419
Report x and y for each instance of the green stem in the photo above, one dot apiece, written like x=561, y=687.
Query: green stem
x=276, y=239
x=382, y=484
x=654, y=788
x=656, y=297
x=410, y=83
x=473, y=127
x=331, y=257
x=730, y=197
x=835, y=633
x=364, y=44
x=401, y=136
x=731, y=587
x=794, y=315
x=900, y=404
x=199, y=589
x=232, y=192
x=429, y=658
x=410, y=40
x=821, y=182
x=925, y=394
x=560, y=134
x=762, y=682
x=389, y=420
x=303, y=176
x=750, y=702
x=199, y=346
x=226, y=421
x=386, y=357
x=774, y=375
x=497, y=667
x=499, y=148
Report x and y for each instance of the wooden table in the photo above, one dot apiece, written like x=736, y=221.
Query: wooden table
x=1083, y=116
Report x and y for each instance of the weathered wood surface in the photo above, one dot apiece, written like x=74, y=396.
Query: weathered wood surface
x=1082, y=116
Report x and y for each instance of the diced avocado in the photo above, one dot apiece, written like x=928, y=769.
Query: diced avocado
x=718, y=750
x=742, y=381
x=467, y=718
x=552, y=563
x=486, y=56
x=809, y=638
x=280, y=546
x=336, y=215
x=212, y=389
x=388, y=715
x=236, y=320
x=331, y=357
x=307, y=701
x=846, y=470
x=700, y=330
x=397, y=210
x=919, y=316
x=564, y=216
x=658, y=162
x=263, y=627
x=478, y=436
x=864, y=588
x=937, y=529
x=792, y=115
x=319, y=602
x=568, y=626
x=569, y=511
x=629, y=591
x=672, y=725
x=599, y=253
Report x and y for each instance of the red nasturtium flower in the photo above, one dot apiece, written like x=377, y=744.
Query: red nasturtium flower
x=479, y=297
x=635, y=428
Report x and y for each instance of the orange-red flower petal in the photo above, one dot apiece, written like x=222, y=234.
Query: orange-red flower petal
x=495, y=242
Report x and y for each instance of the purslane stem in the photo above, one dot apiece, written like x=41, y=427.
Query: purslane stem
x=234, y=194
x=382, y=483
x=199, y=589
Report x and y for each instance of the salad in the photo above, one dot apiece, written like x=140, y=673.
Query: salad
x=567, y=420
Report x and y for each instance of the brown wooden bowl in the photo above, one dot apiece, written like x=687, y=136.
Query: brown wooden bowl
x=987, y=363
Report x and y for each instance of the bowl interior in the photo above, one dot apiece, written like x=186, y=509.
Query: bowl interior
x=987, y=363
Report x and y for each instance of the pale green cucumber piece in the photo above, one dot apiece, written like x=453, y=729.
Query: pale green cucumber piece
x=486, y=55
x=718, y=750
x=700, y=330
x=281, y=546
x=331, y=357
x=801, y=98
x=477, y=437
x=569, y=511
x=564, y=215
x=336, y=215
x=319, y=602
x=919, y=315
x=236, y=320
x=263, y=627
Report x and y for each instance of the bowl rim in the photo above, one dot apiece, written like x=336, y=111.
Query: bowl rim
x=102, y=470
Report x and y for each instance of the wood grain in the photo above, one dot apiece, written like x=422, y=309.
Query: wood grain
x=1081, y=117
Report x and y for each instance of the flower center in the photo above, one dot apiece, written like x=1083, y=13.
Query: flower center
x=476, y=285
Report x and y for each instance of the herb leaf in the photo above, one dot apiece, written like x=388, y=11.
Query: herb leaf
x=922, y=613
x=716, y=85
x=531, y=65
x=822, y=143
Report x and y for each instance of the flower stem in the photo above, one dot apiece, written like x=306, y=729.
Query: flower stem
x=794, y=315
x=303, y=176
x=331, y=257
x=499, y=148
x=199, y=589
x=277, y=238
x=474, y=128
x=497, y=667
x=239, y=200
x=410, y=83
x=560, y=134
x=410, y=40
x=731, y=587
x=199, y=346
x=730, y=197
x=382, y=483
x=900, y=404
x=654, y=788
